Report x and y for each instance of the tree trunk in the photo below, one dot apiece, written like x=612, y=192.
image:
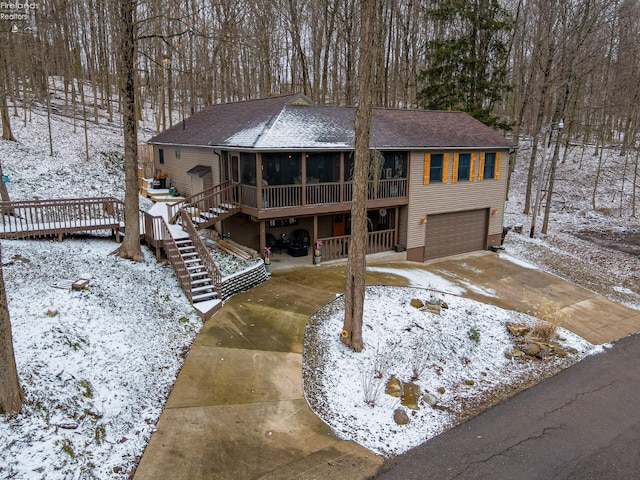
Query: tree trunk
x=11, y=394
x=356, y=263
x=4, y=108
x=130, y=247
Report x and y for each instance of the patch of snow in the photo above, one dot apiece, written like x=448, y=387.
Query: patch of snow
x=421, y=278
x=518, y=261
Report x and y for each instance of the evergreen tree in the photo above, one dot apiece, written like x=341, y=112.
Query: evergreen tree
x=467, y=60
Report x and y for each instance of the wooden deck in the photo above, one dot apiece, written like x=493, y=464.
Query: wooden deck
x=200, y=279
x=59, y=217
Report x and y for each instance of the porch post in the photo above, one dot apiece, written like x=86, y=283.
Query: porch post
x=396, y=237
x=304, y=178
x=315, y=232
x=259, y=197
x=263, y=235
x=341, y=177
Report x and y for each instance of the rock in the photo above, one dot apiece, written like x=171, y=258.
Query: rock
x=545, y=351
x=400, y=416
x=434, y=308
x=394, y=387
x=508, y=355
x=572, y=351
x=430, y=399
x=517, y=353
x=531, y=349
x=518, y=330
x=560, y=352
x=441, y=390
x=417, y=303
x=411, y=395
x=471, y=383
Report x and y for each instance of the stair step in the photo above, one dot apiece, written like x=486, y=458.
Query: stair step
x=186, y=247
x=189, y=254
x=204, y=288
x=200, y=281
x=204, y=296
x=208, y=215
x=192, y=260
x=184, y=241
x=195, y=267
x=194, y=275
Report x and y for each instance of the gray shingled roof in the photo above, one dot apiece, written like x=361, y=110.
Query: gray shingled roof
x=292, y=122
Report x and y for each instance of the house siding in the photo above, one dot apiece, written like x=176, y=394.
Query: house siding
x=176, y=168
x=436, y=198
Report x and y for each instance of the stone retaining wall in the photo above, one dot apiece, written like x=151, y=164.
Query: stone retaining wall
x=243, y=281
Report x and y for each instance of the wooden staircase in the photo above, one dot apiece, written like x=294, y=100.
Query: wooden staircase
x=203, y=287
x=204, y=219
x=207, y=207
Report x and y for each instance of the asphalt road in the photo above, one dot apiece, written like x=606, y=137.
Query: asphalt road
x=583, y=423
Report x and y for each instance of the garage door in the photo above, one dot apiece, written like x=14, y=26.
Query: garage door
x=453, y=233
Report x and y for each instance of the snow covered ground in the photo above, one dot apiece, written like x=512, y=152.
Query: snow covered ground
x=460, y=359
x=97, y=364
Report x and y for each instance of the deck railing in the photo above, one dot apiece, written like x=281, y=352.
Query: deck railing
x=203, y=251
x=226, y=193
x=281, y=196
x=382, y=189
x=334, y=248
x=58, y=217
x=154, y=231
x=175, y=259
x=284, y=196
x=322, y=193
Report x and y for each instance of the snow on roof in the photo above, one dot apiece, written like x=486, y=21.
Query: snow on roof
x=289, y=123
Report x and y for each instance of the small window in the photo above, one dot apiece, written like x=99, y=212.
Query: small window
x=435, y=168
x=489, y=165
x=464, y=166
x=177, y=154
x=161, y=156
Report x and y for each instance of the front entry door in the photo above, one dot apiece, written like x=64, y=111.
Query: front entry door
x=339, y=225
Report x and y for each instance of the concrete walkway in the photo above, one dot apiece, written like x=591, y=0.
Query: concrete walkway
x=237, y=410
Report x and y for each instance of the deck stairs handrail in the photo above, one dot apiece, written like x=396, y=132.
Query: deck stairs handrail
x=209, y=206
x=176, y=260
x=202, y=250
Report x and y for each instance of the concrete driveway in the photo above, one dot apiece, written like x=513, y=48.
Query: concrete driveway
x=237, y=410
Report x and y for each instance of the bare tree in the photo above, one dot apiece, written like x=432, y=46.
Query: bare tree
x=130, y=247
x=4, y=107
x=356, y=263
x=11, y=394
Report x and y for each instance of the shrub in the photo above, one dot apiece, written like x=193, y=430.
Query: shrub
x=549, y=319
x=544, y=330
x=474, y=334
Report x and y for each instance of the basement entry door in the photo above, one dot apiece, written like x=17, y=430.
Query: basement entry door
x=454, y=233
